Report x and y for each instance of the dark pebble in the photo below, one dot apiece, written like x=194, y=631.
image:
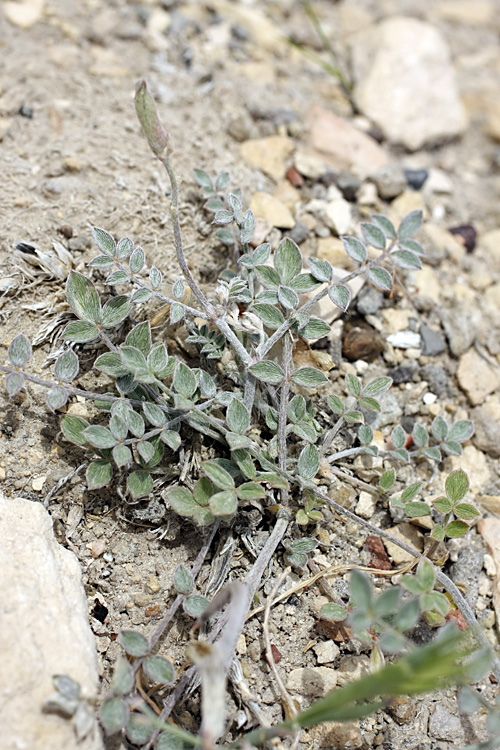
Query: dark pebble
x=66, y=231
x=299, y=233
x=415, y=178
x=404, y=374
x=433, y=342
x=26, y=112
x=348, y=184
x=468, y=235
x=436, y=377
x=361, y=341
x=369, y=301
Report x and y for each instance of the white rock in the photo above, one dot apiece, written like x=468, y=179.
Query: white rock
x=45, y=630
x=337, y=215
x=326, y=652
x=405, y=82
x=366, y=505
x=476, y=377
x=404, y=339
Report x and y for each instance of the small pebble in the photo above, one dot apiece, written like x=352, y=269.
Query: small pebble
x=348, y=184
x=415, y=178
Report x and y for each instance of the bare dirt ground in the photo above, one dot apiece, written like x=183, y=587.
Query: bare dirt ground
x=72, y=157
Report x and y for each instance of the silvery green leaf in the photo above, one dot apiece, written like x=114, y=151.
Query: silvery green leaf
x=297, y=408
x=157, y=357
x=387, y=479
x=223, y=504
x=336, y=405
x=99, y=437
x=353, y=416
x=104, y=241
x=56, y=397
x=309, y=377
x=141, y=295
x=169, y=741
x=123, y=677
x=385, y=225
x=377, y=386
x=137, y=260
x=99, y=474
x=261, y=253
x=268, y=277
x=355, y=249
x=247, y=227
x=287, y=260
x=80, y=332
x=267, y=371
x=20, y=350
x=145, y=450
x=410, y=225
x=353, y=385
x=272, y=418
x=452, y=448
x=83, y=298
x=218, y=475
x=66, y=366
x=303, y=283
x=374, y=236
x=465, y=512
x=139, y=484
x=73, y=428
x=133, y=359
x=369, y=404
x=287, y=297
x=433, y=453
x=439, y=428
x=398, y=437
x=237, y=417
x=203, y=491
x=340, y=295
x=410, y=492
x=183, y=580
x=457, y=486
x=101, y=261
x=111, y=363
x=122, y=456
x=250, y=491
x=297, y=559
x=14, y=381
x=155, y=278
x=194, y=605
x=118, y=277
x=203, y=179
x=124, y=248
x=157, y=454
x=184, y=380
x=417, y=510
x=225, y=236
x=380, y=278
x=402, y=454
x=114, y=715
x=267, y=297
x=456, y=529
x=387, y=602
x=159, y=670
x=223, y=217
x=413, y=246
x=361, y=591
x=420, y=435
x=320, y=269
x=208, y=388
x=176, y=313
x=139, y=729
x=234, y=203
x=393, y=643
x=171, y=438
x=460, y=431
x=308, y=463
x=182, y=501
x=408, y=615
x=133, y=643
x=315, y=328
x=154, y=414
x=178, y=290
x=305, y=431
x=333, y=612
x=222, y=181
x=115, y=311
x=236, y=441
x=365, y=434
x=407, y=259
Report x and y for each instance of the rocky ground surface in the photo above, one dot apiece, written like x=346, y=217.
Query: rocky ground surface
x=423, y=131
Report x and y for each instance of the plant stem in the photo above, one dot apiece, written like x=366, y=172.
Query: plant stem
x=283, y=412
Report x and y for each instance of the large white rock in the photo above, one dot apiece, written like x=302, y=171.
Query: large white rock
x=44, y=630
x=405, y=82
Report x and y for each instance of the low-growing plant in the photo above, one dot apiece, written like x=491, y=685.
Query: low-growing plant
x=255, y=409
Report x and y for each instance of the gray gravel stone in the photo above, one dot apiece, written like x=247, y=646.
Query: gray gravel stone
x=487, y=426
x=299, y=233
x=433, y=342
x=369, y=301
x=390, y=182
x=467, y=569
x=461, y=327
x=443, y=725
x=437, y=378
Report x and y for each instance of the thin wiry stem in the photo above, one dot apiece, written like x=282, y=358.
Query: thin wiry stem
x=283, y=412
